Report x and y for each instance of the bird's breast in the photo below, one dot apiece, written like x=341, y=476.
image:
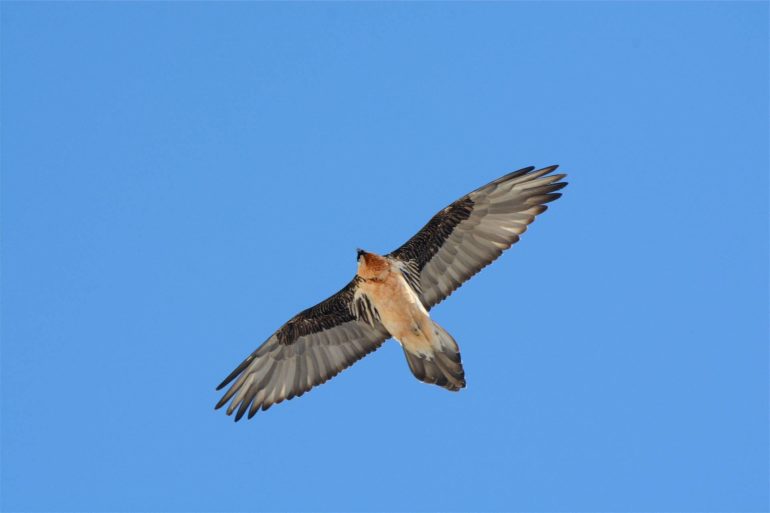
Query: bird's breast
x=399, y=308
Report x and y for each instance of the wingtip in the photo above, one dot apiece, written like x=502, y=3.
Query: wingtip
x=557, y=186
x=520, y=172
x=220, y=403
x=550, y=169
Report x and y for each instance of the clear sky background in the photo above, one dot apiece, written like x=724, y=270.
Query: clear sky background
x=179, y=179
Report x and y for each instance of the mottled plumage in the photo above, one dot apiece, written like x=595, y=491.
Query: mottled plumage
x=392, y=295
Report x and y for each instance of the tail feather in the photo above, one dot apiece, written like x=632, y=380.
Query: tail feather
x=444, y=367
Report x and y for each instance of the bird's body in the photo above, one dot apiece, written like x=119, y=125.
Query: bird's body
x=399, y=308
x=391, y=296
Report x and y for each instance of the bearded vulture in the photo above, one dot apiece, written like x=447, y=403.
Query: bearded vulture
x=390, y=296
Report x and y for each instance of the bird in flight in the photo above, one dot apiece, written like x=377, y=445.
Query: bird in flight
x=391, y=295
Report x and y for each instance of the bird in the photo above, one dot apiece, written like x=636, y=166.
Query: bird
x=391, y=295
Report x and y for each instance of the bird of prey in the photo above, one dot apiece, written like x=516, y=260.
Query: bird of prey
x=391, y=295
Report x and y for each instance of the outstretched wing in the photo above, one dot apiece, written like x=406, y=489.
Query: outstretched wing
x=313, y=347
x=473, y=231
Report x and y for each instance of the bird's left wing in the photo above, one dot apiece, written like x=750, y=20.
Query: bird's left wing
x=313, y=347
x=473, y=231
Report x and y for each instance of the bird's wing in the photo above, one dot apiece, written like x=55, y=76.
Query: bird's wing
x=474, y=230
x=313, y=347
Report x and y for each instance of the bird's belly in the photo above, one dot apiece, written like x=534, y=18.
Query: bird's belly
x=402, y=313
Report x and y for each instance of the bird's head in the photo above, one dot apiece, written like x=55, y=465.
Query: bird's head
x=371, y=266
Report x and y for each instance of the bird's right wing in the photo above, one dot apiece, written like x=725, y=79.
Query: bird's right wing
x=313, y=347
x=473, y=231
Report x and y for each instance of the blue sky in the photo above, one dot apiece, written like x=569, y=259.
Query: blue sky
x=179, y=179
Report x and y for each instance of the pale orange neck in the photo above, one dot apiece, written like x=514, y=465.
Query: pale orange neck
x=373, y=267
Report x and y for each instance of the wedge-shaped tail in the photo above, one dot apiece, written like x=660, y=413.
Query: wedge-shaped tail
x=444, y=367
